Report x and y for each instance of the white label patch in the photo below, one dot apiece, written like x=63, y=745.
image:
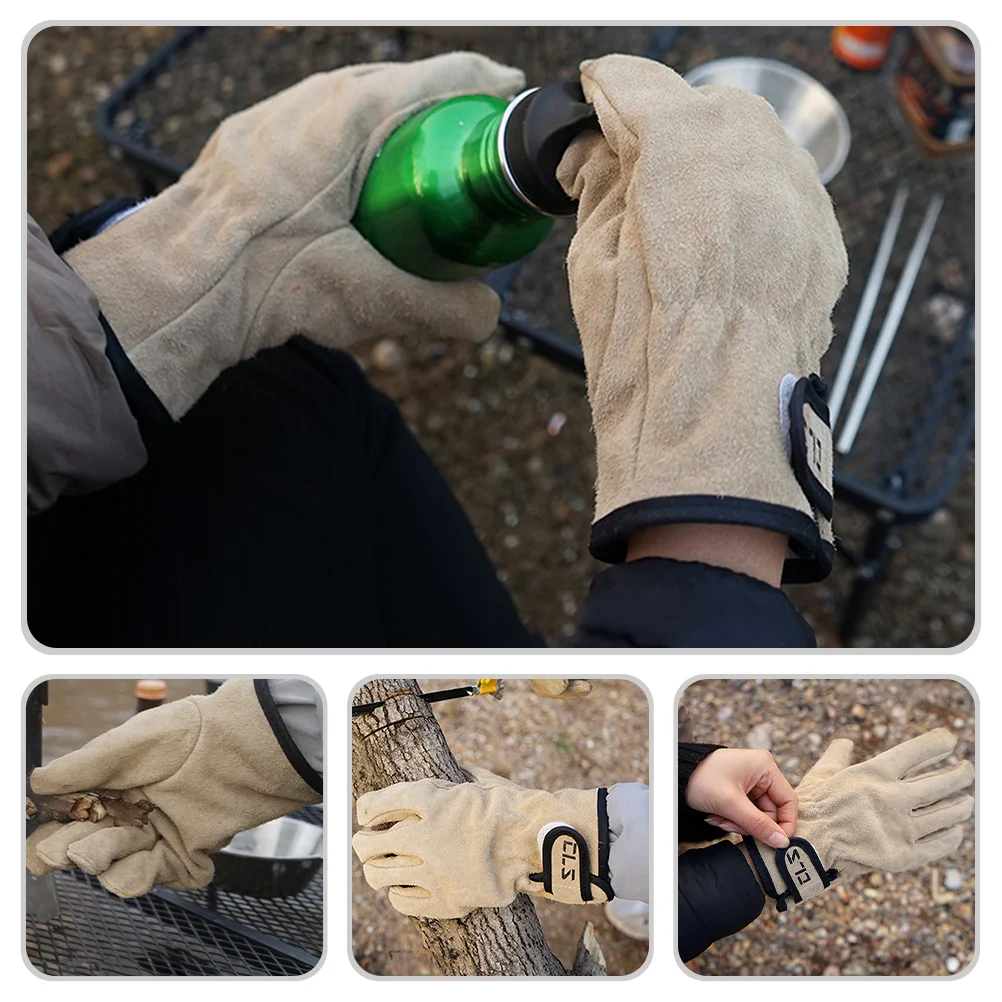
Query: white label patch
x=818, y=442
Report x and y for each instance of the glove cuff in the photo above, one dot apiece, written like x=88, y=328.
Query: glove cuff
x=811, y=554
x=574, y=853
x=792, y=874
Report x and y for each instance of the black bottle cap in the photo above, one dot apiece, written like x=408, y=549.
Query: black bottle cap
x=538, y=131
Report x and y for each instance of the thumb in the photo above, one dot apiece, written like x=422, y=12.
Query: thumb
x=837, y=757
x=743, y=813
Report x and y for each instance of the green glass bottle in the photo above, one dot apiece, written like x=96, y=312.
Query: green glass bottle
x=470, y=184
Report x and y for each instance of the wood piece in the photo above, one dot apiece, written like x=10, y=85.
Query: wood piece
x=402, y=742
x=590, y=960
x=91, y=806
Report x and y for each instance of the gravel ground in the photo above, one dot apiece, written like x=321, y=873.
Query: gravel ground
x=511, y=433
x=917, y=923
x=542, y=744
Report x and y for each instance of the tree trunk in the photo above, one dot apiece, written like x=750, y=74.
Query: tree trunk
x=402, y=742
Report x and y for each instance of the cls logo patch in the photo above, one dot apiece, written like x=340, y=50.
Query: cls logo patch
x=568, y=859
x=802, y=875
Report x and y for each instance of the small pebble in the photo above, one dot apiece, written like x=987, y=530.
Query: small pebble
x=832, y=971
x=58, y=64
x=859, y=711
x=556, y=424
x=952, y=965
x=759, y=736
x=388, y=355
x=953, y=880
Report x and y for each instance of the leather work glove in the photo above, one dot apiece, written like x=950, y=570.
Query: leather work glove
x=889, y=813
x=561, y=688
x=453, y=847
x=210, y=765
x=255, y=244
x=703, y=273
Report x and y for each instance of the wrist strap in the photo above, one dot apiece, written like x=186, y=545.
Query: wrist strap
x=799, y=868
x=567, y=861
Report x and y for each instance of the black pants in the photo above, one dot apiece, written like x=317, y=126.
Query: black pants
x=291, y=507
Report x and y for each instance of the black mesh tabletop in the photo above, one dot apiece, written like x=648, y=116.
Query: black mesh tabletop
x=205, y=932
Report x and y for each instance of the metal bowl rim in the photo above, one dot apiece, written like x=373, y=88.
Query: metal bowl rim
x=802, y=76
x=277, y=859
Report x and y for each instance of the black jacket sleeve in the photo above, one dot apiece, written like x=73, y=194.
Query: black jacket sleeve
x=691, y=826
x=717, y=896
x=657, y=602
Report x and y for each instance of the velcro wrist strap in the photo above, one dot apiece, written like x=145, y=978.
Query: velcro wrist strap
x=792, y=874
x=810, y=440
x=572, y=872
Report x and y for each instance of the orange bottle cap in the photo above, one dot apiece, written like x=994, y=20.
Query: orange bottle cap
x=151, y=688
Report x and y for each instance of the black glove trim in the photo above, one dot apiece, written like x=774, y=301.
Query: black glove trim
x=82, y=226
x=811, y=447
x=765, y=878
x=800, y=874
x=814, y=555
x=296, y=758
x=603, y=834
x=150, y=414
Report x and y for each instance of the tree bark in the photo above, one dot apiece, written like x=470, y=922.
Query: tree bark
x=402, y=742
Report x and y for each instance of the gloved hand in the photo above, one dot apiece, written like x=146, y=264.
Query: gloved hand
x=212, y=767
x=254, y=243
x=453, y=847
x=561, y=688
x=703, y=273
x=889, y=813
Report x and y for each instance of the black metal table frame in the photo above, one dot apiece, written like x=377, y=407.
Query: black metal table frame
x=887, y=509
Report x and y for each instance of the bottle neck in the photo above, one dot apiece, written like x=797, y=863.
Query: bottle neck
x=485, y=178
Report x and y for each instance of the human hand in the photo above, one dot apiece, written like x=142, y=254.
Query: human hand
x=703, y=273
x=254, y=243
x=441, y=849
x=743, y=791
x=210, y=765
x=891, y=813
x=561, y=688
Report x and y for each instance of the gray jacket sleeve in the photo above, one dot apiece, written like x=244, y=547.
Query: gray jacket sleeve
x=629, y=834
x=81, y=433
x=299, y=705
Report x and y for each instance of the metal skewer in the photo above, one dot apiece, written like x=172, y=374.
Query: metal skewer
x=485, y=687
x=870, y=295
x=890, y=328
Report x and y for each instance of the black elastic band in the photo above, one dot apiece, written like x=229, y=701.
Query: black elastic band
x=296, y=758
x=814, y=555
x=603, y=835
x=151, y=415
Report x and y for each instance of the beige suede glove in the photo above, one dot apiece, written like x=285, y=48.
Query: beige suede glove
x=211, y=766
x=453, y=847
x=703, y=273
x=889, y=813
x=254, y=243
x=561, y=688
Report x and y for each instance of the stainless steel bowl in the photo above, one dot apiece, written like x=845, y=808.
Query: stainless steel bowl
x=810, y=115
x=274, y=860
